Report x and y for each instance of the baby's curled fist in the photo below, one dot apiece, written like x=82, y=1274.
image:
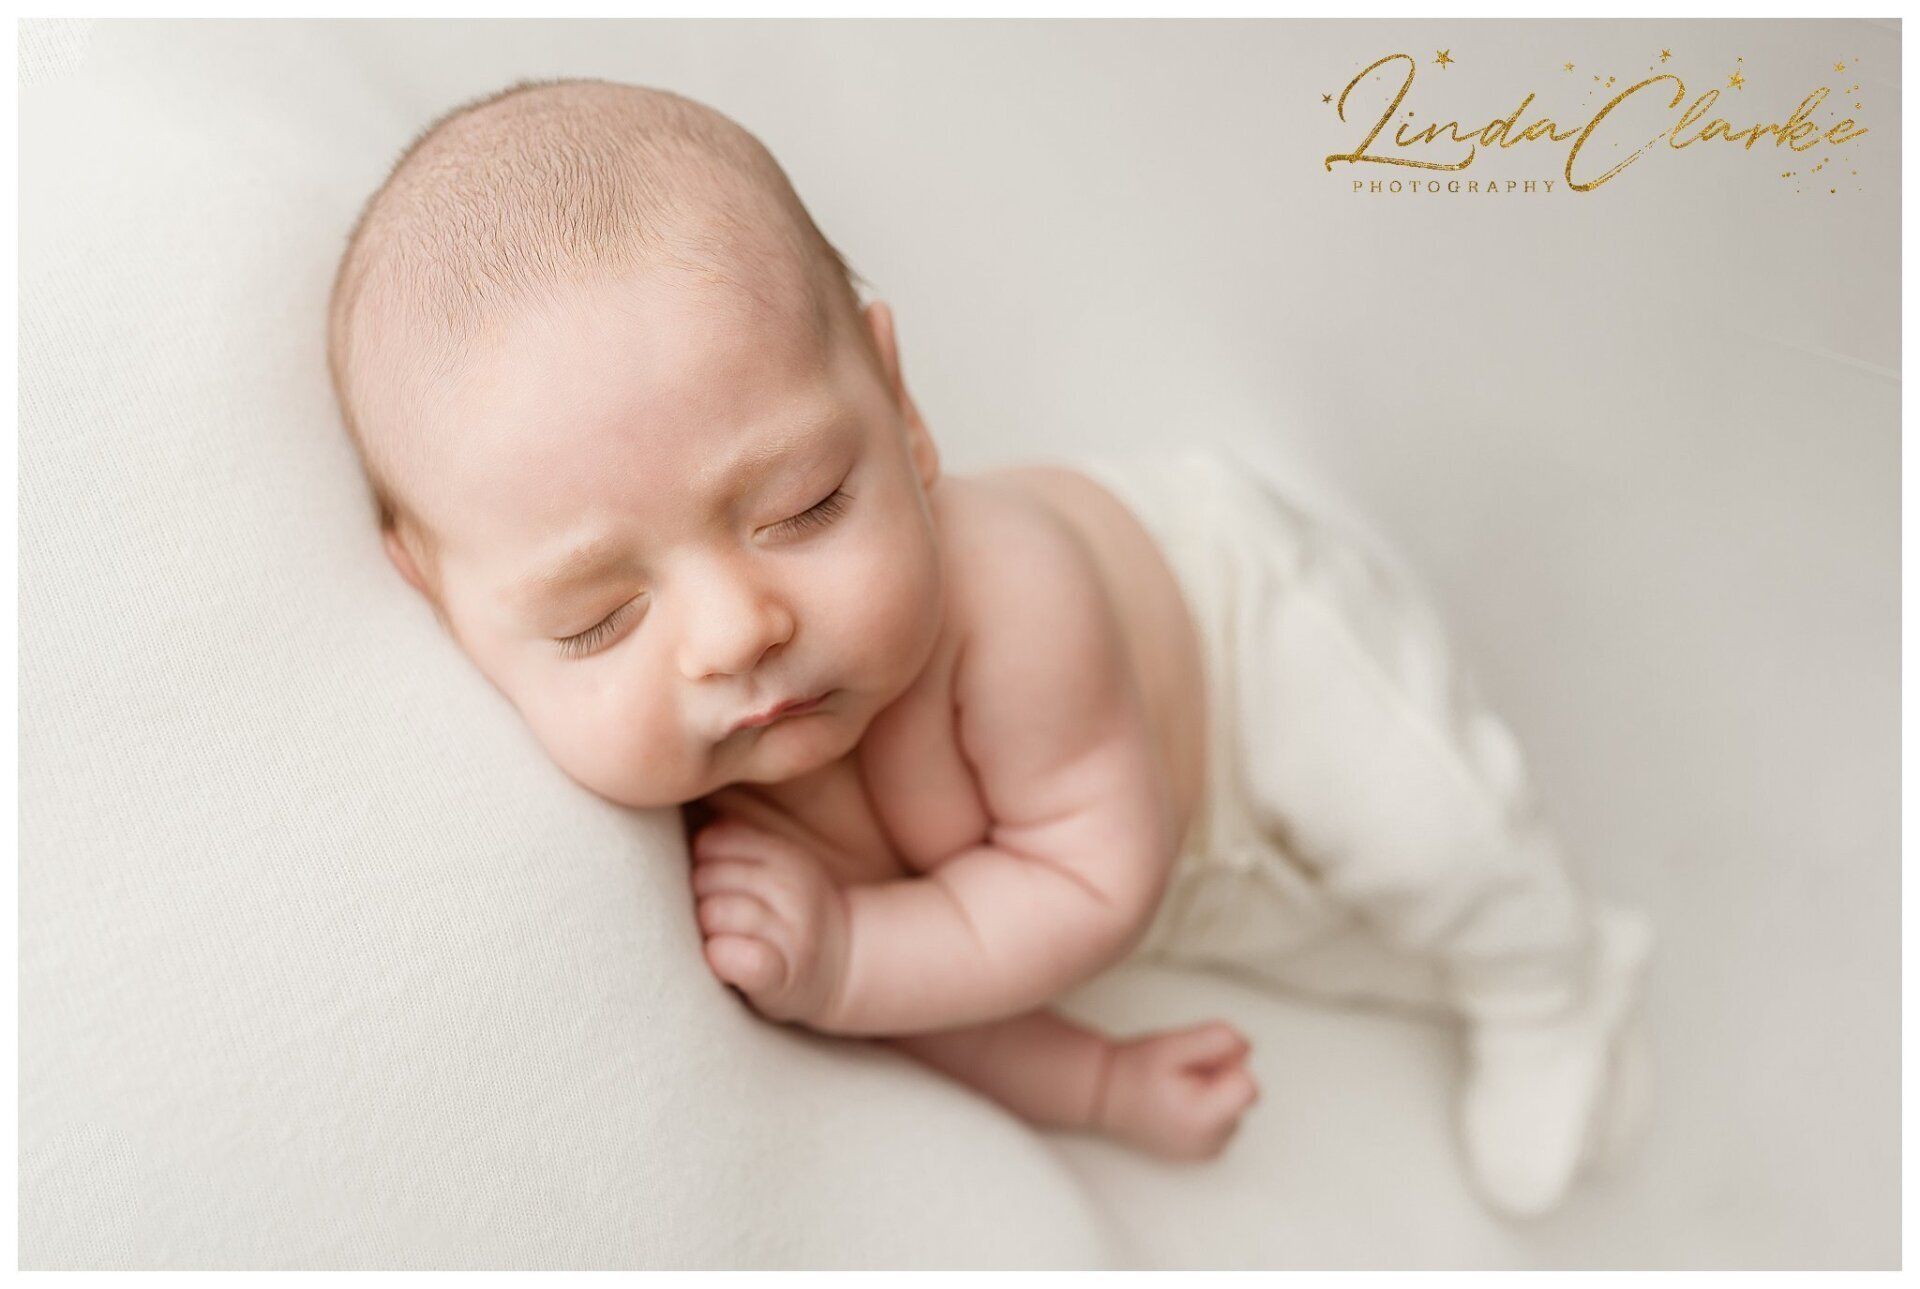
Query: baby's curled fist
x=774, y=920
x=1178, y=1093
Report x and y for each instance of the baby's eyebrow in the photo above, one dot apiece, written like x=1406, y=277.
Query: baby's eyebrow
x=583, y=563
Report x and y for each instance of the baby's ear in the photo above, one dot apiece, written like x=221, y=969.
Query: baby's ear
x=920, y=445
x=877, y=317
x=926, y=457
x=403, y=560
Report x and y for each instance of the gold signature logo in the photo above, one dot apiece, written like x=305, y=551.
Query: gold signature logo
x=1800, y=131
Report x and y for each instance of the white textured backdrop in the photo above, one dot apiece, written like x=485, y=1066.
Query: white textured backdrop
x=322, y=965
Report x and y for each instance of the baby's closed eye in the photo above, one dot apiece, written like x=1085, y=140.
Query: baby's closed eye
x=601, y=633
x=818, y=515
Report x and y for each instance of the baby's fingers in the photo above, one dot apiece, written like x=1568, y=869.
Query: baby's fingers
x=752, y=964
x=730, y=838
x=763, y=883
x=1206, y=1047
x=716, y=875
x=733, y=912
x=1229, y=1093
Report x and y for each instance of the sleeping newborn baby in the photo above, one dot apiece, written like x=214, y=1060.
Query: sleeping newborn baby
x=947, y=746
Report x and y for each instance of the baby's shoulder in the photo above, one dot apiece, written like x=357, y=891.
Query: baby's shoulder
x=1034, y=618
x=1005, y=548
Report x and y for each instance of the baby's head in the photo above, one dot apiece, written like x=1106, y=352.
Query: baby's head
x=631, y=433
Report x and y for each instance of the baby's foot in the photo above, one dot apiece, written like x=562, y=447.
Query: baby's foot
x=1180, y=1093
x=1545, y=1102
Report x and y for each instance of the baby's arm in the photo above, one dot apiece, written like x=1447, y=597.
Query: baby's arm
x=1180, y=1093
x=1079, y=839
x=1080, y=836
x=1047, y=1070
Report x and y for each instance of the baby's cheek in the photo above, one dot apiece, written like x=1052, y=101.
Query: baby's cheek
x=650, y=744
x=623, y=743
x=892, y=602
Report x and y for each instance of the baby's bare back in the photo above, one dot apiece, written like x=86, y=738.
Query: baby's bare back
x=908, y=796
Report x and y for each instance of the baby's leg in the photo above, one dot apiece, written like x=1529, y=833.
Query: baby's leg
x=1178, y=1093
x=1371, y=753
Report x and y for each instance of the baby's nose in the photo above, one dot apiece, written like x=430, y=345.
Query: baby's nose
x=731, y=637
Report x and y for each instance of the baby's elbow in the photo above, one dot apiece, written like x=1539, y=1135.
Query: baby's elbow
x=1128, y=903
x=1132, y=912
x=1093, y=926
x=1151, y=853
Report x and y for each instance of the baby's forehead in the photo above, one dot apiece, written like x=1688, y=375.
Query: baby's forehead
x=580, y=407
x=660, y=351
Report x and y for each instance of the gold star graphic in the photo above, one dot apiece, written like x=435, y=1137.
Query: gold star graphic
x=1840, y=66
x=1736, y=80
x=1443, y=57
x=1326, y=98
x=1665, y=54
x=1569, y=66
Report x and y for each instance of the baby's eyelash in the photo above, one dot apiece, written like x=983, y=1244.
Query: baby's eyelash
x=596, y=635
x=825, y=511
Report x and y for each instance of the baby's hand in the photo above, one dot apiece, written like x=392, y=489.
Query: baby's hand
x=774, y=920
x=1180, y=1093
